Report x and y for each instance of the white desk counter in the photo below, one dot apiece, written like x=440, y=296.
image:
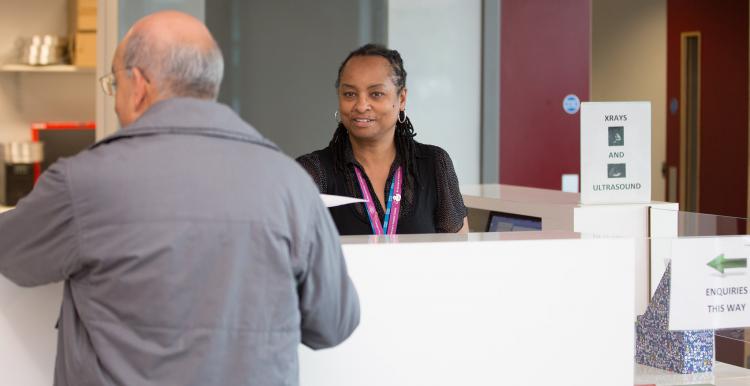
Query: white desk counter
x=485, y=309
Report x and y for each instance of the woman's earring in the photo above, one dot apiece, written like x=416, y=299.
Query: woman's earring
x=336, y=116
x=401, y=114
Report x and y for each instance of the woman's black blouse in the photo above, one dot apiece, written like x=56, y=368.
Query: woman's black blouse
x=430, y=203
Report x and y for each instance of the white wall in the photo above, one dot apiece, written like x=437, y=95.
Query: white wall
x=629, y=63
x=31, y=97
x=440, y=42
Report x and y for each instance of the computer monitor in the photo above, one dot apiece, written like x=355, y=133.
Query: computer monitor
x=509, y=222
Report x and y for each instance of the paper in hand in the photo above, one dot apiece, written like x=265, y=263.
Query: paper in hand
x=332, y=200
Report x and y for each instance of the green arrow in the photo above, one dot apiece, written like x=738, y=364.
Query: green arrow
x=720, y=263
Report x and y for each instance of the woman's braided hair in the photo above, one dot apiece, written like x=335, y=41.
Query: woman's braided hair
x=404, y=136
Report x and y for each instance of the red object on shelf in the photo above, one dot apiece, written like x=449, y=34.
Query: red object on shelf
x=62, y=125
x=38, y=127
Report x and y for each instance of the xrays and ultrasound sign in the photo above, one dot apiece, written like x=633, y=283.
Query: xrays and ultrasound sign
x=615, y=152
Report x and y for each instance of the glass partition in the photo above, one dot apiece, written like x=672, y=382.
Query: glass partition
x=700, y=224
x=708, y=257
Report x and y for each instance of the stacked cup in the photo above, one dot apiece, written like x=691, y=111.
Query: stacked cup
x=41, y=50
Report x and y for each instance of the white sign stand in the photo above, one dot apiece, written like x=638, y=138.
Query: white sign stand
x=710, y=283
x=615, y=152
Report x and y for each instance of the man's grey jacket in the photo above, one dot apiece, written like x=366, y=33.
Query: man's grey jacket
x=193, y=252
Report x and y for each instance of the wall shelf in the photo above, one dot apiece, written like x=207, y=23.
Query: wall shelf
x=57, y=68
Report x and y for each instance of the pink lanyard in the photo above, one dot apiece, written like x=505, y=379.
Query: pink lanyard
x=392, y=208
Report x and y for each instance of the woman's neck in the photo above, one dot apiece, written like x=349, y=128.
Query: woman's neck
x=374, y=154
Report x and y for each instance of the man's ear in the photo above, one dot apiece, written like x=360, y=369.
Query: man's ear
x=140, y=93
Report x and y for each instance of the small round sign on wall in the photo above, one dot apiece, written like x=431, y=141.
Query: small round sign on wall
x=571, y=104
x=674, y=106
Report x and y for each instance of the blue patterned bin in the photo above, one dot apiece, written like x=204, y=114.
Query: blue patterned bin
x=684, y=352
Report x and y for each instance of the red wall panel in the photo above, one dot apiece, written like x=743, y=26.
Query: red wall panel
x=724, y=98
x=545, y=55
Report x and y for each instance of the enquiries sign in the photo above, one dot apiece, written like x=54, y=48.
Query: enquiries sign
x=710, y=283
x=615, y=152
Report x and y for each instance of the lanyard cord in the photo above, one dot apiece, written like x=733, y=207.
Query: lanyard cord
x=393, y=206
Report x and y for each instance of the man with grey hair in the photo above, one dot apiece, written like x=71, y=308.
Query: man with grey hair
x=193, y=251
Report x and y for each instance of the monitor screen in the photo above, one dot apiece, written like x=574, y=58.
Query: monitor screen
x=509, y=222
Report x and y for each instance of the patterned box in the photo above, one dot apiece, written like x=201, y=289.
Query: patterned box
x=684, y=352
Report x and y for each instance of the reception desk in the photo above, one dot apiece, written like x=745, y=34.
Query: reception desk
x=519, y=308
x=437, y=310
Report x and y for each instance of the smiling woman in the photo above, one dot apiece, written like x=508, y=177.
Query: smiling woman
x=409, y=187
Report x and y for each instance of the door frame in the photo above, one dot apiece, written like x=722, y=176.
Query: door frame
x=683, y=122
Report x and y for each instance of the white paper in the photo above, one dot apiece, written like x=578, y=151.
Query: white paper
x=332, y=200
x=701, y=297
x=615, y=152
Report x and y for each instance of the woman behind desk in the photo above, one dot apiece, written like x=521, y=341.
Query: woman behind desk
x=409, y=187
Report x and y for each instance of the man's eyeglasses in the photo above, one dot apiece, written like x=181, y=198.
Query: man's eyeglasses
x=109, y=82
